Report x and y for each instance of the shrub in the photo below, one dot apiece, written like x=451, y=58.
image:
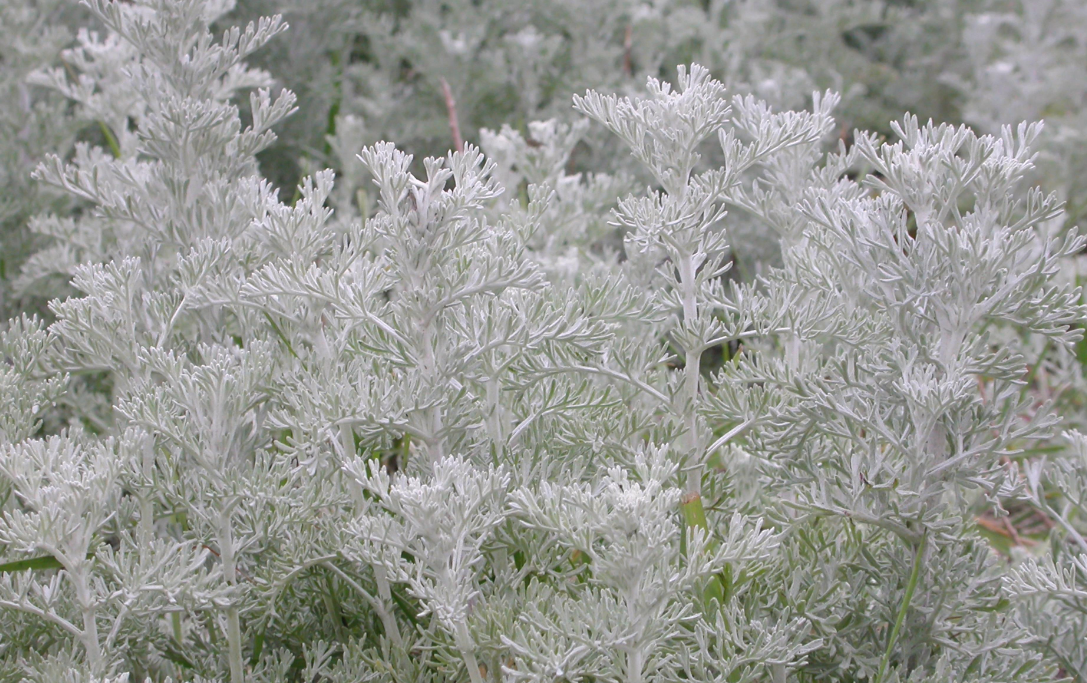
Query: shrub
x=482, y=416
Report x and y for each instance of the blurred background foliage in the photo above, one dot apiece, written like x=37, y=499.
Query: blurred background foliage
x=371, y=70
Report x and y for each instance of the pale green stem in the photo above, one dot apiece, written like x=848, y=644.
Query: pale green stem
x=792, y=351
x=464, y=645
x=234, y=643
x=634, y=665
x=691, y=371
x=175, y=621
x=147, y=503
x=347, y=441
x=694, y=513
x=494, y=414
x=333, y=610
x=233, y=620
x=434, y=444
x=111, y=140
x=89, y=635
x=777, y=673
x=384, y=594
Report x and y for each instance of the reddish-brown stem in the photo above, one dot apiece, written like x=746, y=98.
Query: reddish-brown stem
x=451, y=107
x=1012, y=532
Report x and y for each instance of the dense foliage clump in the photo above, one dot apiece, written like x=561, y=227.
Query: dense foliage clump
x=354, y=352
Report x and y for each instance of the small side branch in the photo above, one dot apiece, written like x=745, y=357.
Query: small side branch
x=609, y=373
x=24, y=606
x=731, y=434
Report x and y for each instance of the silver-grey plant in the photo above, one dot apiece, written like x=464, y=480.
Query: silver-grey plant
x=481, y=417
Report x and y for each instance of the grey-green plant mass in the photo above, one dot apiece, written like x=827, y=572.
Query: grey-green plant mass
x=508, y=351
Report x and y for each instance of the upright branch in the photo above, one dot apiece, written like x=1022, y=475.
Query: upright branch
x=683, y=224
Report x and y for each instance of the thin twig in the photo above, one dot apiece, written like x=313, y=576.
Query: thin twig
x=1012, y=531
x=451, y=107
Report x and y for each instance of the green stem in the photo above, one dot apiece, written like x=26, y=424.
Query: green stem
x=279, y=333
x=693, y=512
x=111, y=140
x=915, y=573
x=694, y=515
x=34, y=563
x=179, y=635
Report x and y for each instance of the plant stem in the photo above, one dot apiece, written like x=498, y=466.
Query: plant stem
x=89, y=636
x=147, y=503
x=464, y=644
x=495, y=416
x=234, y=643
x=451, y=109
x=915, y=573
x=233, y=621
x=693, y=512
x=111, y=140
x=692, y=372
x=635, y=664
x=90, y=641
x=392, y=631
x=179, y=634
